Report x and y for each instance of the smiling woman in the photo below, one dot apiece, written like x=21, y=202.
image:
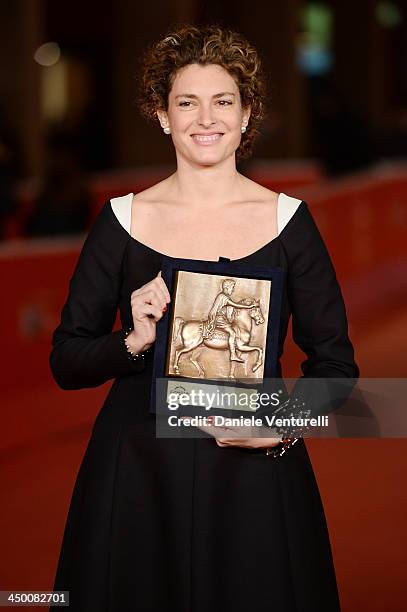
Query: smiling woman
x=243, y=88
x=199, y=523
x=206, y=119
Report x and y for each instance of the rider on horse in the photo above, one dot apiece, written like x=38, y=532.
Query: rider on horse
x=221, y=316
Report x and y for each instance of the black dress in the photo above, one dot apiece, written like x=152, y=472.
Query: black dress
x=183, y=525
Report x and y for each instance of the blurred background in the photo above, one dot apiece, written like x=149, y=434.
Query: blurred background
x=71, y=138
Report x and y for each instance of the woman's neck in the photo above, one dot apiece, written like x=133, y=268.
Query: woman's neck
x=206, y=187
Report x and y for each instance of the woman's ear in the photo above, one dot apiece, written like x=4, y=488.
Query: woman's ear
x=162, y=118
x=246, y=114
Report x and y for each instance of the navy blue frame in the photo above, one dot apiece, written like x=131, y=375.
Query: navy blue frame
x=223, y=267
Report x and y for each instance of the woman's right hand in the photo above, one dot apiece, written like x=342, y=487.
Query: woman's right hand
x=148, y=305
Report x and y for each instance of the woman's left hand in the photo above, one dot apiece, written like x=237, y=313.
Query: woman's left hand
x=248, y=442
x=244, y=437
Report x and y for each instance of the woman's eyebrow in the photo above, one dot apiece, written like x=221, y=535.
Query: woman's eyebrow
x=219, y=95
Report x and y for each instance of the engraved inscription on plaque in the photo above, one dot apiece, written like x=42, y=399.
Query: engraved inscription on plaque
x=219, y=326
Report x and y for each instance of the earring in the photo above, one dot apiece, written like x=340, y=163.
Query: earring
x=243, y=129
x=167, y=130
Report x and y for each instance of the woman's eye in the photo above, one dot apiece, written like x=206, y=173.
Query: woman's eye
x=187, y=103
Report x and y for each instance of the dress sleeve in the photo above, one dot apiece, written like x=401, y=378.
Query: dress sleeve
x=319, y=321
x=85, y=350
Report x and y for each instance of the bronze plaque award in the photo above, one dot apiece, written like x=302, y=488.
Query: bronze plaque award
x=219, y=326
x=220, y=329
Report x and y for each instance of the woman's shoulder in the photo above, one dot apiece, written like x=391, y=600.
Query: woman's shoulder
x=154, y=192
x=108, y=225
x=298, y=231
x=121, y=207
x=290, y=211
x=158, y=193
x=287, y=208
x=150, y=194
x=254, y=192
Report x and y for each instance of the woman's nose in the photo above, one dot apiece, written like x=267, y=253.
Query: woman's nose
x=206, y=116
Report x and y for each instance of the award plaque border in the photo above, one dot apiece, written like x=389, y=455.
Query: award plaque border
x=223, y=267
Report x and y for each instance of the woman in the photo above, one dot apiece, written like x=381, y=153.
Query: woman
x=192, y=525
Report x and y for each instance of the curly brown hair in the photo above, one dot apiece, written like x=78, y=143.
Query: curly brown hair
x=209, y=44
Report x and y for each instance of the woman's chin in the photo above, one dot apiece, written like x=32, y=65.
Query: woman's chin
x=210, y=158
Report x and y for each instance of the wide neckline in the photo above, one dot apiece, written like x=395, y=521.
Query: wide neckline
x=160, y=254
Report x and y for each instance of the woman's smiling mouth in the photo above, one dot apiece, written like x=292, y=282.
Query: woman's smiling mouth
x=206, y=139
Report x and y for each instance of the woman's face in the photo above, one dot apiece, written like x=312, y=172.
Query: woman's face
x=204, y=114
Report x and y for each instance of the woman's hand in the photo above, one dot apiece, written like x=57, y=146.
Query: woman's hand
x=249, y=442
x=244, y=437
x=148, y=305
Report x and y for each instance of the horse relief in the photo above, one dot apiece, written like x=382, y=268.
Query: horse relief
x=227, y=328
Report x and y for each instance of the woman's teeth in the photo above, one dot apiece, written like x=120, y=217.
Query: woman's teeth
x=201, y=139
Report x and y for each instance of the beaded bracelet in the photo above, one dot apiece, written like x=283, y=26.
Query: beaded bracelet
x=131, y=354
x=282, y=447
